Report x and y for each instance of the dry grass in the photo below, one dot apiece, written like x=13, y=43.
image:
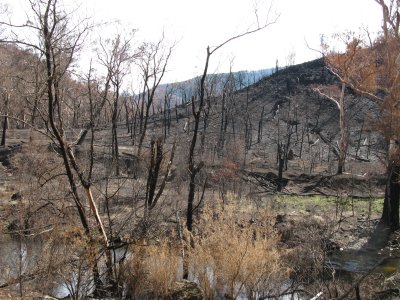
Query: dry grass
x=151, y=270
x=236, y=256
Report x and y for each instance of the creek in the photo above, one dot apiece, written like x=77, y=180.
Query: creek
x=374, y=256
x=22, y=257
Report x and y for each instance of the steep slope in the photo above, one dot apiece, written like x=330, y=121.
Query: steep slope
x=287, y=102
x=285, y=109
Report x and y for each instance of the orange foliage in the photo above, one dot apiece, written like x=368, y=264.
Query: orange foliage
x=229, y=171
x=373, y=72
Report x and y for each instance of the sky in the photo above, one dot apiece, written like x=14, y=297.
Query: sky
x=194, y=25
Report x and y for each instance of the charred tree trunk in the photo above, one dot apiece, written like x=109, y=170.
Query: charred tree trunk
x=192, y=167
x=359, y=140
x=260, y=126
x=38, y=94
x=281, y=161
x=342, y=125
x=4, y=133
x=56, y=127
x=115, y=150
x=390, y=213
x=144, y=121
x=127, y=123
x=5, y=122
x=203, y=132
x=248, y=135
x=166, y=114
x=156, y=156
x=141, y=113
x=96, y=113
x=221, y=140
x=134, y=127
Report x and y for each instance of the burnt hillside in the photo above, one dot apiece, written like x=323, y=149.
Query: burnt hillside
x=285, y=109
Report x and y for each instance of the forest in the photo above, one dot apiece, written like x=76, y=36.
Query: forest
x=277, y=184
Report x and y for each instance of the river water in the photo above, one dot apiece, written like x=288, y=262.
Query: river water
x=22, y=257
x=374, y=256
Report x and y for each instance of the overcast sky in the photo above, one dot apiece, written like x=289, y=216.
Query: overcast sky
x=196, y=24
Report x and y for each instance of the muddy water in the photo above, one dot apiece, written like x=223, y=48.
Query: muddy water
x=354, y=261
x=17, y=257
x=24, y=256
x=21, y=257
x=374, y=256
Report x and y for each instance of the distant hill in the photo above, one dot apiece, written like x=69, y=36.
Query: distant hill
x=184, y=90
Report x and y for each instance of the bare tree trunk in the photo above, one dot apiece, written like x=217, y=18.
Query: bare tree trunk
x=260, y=126
x=248, y=135
x=302, y=141
x=5, y=121
x=65, y=149
x=153, y=65
x=134, y=129
x=3, y=136
x=145, y=120
x=359, y=139
x=141, y=113
x=115, y=150
x=390, y=213
x=127, y=123
x=281, y=161
x=165, y=121
x=38, y=93
x=342, y=125
x=96, y=114
x=221, y=140
x=156, y=156
x=169, y=121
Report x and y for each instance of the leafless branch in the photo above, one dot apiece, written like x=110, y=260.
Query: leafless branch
x=327, y=96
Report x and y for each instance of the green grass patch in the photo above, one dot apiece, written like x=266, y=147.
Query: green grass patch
x=325, y=204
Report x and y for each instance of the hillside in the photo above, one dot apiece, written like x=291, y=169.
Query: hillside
x=290, y=96
x=247, y=124
x=285, y=108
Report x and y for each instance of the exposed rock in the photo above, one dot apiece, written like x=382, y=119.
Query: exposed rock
x=7, y=152
x=388, y=294
x=47, y=297
x=279, y=219
x=16, y=196
x=185, y=290
x=329, y=246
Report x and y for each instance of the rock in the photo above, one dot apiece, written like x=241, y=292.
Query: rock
x=185, y=290
x=388, y=293
x=14, y=225
x=7, y=152
x=16, y=196
x=330, y=246
x=280, y=219
x=394, y=244
x=47, y=297
x=290, y=155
